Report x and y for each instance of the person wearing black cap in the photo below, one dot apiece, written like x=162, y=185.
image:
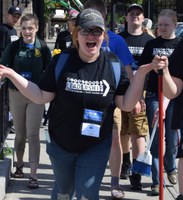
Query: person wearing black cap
x=7, y=31
x=8, y=34
x=81, y=116
x=134, y=124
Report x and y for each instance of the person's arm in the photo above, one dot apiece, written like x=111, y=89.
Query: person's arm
x=27, y=88
x=172, y=86
x=134, y=91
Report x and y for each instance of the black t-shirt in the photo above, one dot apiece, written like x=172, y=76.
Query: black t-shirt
x=157, y=46
x=80, y=85
x=176, y=70
x=176, y=60
x=64, y=40
x=136, y=44
x=8, y=34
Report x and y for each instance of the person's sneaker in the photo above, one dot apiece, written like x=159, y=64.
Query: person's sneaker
x=172, y=177
x=180, y=197
x=125, y=170
x=155, y=190
x=135, y=181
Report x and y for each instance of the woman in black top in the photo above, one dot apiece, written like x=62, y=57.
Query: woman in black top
x=81, y=117
x=173, y=87
x=162, y=45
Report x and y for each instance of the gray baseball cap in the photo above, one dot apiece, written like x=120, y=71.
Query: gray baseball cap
x=89, y=18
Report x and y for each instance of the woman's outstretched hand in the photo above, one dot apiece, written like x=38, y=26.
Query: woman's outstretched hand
x=5, y=72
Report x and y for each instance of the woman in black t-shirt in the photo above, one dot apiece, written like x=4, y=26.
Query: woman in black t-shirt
x=162, y=45
x=81, y=116
x=173, y=87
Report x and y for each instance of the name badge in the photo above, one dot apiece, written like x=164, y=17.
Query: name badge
x=92, y=120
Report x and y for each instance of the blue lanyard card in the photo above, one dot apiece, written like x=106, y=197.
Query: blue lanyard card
x=93, y=116
x=92, y=120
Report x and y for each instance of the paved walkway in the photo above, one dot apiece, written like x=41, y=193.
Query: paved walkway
x=17, y=188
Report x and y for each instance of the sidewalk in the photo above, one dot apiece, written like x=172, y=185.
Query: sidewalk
x=17, y=188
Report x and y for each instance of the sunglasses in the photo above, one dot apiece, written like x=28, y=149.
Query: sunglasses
x=95, y=31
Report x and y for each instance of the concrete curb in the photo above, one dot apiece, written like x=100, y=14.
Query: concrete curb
x=5, y=170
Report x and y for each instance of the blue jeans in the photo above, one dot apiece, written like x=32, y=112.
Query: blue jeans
x=171, y=137
x=78, y=174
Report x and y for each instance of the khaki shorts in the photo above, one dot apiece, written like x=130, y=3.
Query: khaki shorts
x=134, y=124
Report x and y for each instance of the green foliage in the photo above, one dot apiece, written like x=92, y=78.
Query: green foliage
x=7, y=150
x=49, y=9
x=133, y=1
x=51, y=5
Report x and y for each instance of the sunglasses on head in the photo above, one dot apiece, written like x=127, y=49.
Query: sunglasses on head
x=94, y=31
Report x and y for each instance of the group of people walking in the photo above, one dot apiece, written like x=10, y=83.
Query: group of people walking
x=103, y=94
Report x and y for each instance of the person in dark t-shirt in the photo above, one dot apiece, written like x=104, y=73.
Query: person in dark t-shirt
x=81, y=116
x=162, y=45
x=173, y=87
x=8, y=34
x=7, y=31
x=134, y=128
x=64, y=38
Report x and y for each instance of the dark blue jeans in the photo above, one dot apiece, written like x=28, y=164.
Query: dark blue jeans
x=171, y=137
x=78, y=174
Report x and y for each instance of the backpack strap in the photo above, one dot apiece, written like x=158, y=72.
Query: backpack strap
x=117, y=71
x=60, y=64
x=116, y=66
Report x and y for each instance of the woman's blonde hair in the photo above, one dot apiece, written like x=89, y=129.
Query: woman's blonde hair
x=148, y=31
x=75, y=40
x=169, y=13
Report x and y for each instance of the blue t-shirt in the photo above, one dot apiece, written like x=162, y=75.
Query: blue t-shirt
x=118, y=46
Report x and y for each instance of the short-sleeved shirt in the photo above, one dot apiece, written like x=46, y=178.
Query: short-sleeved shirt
x=64, y=40
x=176, y=70
x=136, y=45
x=80, y=85
x=157, y=46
